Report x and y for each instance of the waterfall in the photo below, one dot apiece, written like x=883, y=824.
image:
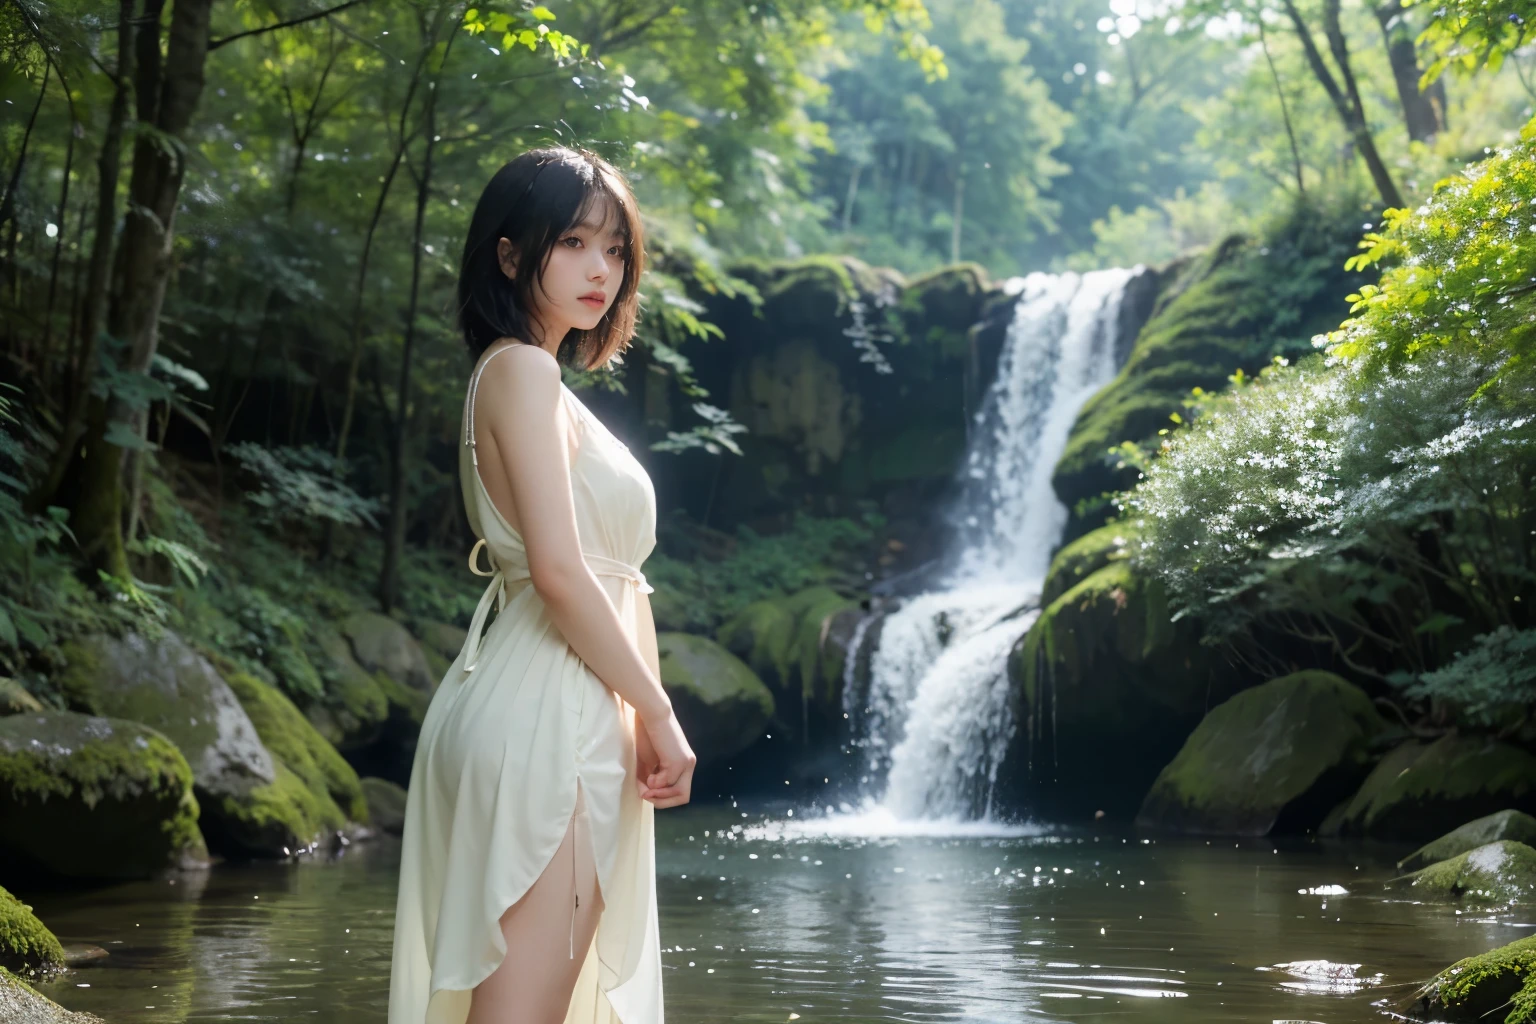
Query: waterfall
x=935, y=719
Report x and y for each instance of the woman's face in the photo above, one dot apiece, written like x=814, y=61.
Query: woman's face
x=582, y=274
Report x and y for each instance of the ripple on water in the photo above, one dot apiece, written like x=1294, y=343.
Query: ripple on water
x=873, y=821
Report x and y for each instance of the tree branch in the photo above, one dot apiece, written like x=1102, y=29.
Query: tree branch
x=284, y=24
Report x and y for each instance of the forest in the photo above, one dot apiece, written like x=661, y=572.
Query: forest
x=1072, y=420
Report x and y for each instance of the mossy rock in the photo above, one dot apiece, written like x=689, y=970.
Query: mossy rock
x=1480, y=989
x=1277, y=754
x=784, y=641
x=315, y=791
x=355, y=707
x=26, y=944
x=721, y=704
x=1507, y=824
x=820, y=664
x=763, y=635
x=951, y=295
x=1105, y=689
x=1420, y=790
x=1500, y=872
x=442, y=642
x=1232, y=307
x=1085, y=556
x=20, y=1003
x=15, y=699
x=386, y=804
x=89, y=797
x=169, y=687
x=380, y=644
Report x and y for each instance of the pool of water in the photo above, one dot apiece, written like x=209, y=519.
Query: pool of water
x=850, y=919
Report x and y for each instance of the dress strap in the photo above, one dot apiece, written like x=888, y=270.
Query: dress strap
x=496, y=589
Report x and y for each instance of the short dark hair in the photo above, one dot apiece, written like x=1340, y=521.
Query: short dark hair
x=532, y=202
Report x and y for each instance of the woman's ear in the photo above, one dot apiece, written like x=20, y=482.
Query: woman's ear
x=506, y=257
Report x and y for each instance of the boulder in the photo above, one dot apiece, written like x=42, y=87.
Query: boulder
x=1421, y=790
x=1501, y=872
x=1514, y=825
x=386, y=804
x=1499, y=985
x=1275, y=756
x=26, y=944
x=442, y=642
x=788, y=642
x=1085, y=556
x=20, y=1003
x=89, y=797
x=355, y=706
x=15, y=700
x=315, y=792
x=381, y=644
x=1105, y=688
x=721, y=703
x=249, y=807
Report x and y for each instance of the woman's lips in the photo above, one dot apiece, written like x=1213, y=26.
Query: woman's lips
x=595, y=301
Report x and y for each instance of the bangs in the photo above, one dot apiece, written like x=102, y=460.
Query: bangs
x=532, y=202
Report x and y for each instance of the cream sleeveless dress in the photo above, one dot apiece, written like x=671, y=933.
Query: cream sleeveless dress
x=517, y=723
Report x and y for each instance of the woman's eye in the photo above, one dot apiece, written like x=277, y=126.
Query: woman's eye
x=571, y=238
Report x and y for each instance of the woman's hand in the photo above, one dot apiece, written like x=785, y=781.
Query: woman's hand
x=665, y=761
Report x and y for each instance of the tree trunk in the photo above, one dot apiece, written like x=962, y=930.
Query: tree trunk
x=1423, y=112
x=1285, y=111
x=853, y=195
x=1347, y=104
x=94, y=304
x=399, y=497
x=959, y=212
x=169, y=93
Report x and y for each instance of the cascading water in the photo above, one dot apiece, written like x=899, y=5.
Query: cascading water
x=935, y=719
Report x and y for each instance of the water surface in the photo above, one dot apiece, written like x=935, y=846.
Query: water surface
x=832, y=922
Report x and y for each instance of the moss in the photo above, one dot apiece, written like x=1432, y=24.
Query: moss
x=780, y=639
x=354, y=705
x=294, y=742
x=720, y=702
x=1506, y=824
x=763, y=635
x=92, y=797
x=1480, y=987
x=26, y=944
x=1105, y=689
x=1084, y=557
x=820, y=668
x=1263, y=754
x=950, y=295
x=1420, y=790
x=1500, y=872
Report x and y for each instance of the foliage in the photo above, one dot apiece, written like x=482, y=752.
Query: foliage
x=1470, y=34
x=708, y=577
x=302, y=484
x=1462, y=267
x=1376, y=503
x=1488, y=681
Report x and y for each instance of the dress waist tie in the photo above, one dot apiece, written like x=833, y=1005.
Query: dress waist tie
x=496, y=589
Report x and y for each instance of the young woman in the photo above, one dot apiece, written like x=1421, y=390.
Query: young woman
x=527, y=874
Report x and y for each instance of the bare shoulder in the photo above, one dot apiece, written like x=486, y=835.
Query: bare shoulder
x=525, y=376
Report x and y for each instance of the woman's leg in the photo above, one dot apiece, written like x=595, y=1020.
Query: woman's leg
x=533, y=985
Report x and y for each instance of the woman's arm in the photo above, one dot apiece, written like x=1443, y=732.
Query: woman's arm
x=526, y=425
